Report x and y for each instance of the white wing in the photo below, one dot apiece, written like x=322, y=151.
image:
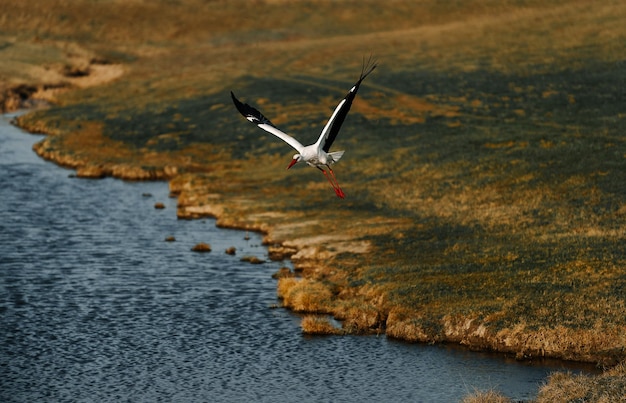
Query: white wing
x=282, y=135
x=256, y=117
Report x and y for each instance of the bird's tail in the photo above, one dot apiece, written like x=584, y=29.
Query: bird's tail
x=336, y=155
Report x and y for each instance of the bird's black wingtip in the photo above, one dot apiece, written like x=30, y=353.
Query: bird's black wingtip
x=239, y=105
x=237, y=102
x=248, y=112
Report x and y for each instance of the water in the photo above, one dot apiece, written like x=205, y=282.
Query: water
x=96, y=306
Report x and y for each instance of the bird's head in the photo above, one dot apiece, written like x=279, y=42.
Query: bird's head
x=296, y=158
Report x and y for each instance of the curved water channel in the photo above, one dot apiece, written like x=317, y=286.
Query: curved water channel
x=96, y=306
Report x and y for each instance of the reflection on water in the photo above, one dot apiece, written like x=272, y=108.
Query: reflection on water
x=96, y=306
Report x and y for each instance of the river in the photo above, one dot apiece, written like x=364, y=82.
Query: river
x=95, y=306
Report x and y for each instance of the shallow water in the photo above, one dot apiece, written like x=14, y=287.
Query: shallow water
x=96, y=306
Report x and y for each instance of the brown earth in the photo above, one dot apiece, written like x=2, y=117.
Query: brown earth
x=485, y=161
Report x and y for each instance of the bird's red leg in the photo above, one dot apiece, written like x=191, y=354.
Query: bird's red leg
x=329, y=180
x=338, y=190
x=333, y=181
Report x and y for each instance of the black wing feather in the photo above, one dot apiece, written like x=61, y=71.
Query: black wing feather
x=341, y=115
x=250, y=113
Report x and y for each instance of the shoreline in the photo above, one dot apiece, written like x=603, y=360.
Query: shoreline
x=590, y=373
x=467, y=332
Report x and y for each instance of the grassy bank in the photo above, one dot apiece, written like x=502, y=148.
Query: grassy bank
x=567, y=387
x=485, y=163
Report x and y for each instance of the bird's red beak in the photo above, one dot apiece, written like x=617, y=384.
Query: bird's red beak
x=292, y=163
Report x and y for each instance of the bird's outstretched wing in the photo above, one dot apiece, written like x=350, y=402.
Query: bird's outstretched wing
x=330, y=131
x=264, y=123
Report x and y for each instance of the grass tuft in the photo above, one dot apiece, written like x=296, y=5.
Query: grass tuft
x=489, y=396
x=610, y=386
x=318, y=325
x=304, y=295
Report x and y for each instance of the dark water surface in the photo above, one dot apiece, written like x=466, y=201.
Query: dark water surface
x=95, y=306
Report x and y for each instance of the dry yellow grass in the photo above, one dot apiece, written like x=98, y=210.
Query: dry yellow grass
x=318, y=325
x=489, y=396
x=304, y=295
x=285, y=285
x=608, y=387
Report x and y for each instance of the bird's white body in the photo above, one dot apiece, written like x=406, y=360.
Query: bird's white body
x=316, y=155
x=318, y=158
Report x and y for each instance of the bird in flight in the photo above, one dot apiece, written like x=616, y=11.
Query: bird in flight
x=317, y=155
